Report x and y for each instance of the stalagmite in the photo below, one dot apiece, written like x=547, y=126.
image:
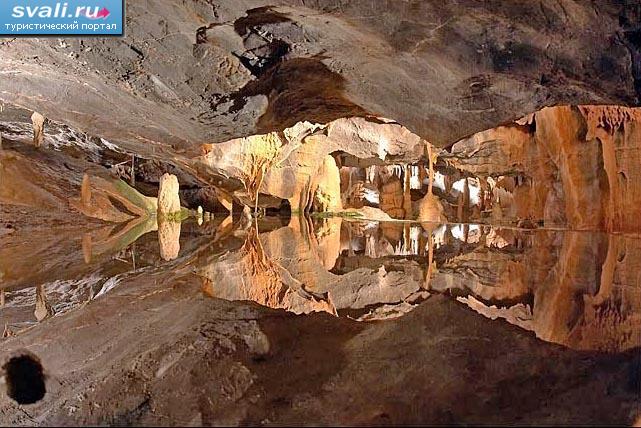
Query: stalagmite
x=169, y=217
x=430, y=207
x=38, y=122
x=327, y=195
x=168, y=199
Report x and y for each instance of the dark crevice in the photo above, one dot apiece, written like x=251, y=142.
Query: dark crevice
x=25, y=379
x=258, y=17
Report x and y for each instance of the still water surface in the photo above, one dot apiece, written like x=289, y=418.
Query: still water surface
x=578, y=289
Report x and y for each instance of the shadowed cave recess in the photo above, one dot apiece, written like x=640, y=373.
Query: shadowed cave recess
x=324, y=212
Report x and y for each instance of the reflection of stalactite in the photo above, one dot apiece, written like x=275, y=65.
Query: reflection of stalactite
x=407, y=197
x=607, y=272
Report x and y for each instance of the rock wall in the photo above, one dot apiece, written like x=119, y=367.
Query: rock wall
x=286, y=164
x=246, y=67
x=574, y=166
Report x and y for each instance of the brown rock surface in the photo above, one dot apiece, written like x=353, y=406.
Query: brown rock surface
x=578, y=161
x=205, y=361
x=457, y=68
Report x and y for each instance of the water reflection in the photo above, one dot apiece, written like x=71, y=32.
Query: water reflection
x=581, y=290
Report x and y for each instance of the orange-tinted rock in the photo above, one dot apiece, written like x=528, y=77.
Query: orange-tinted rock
x=327, y=196
x=391, y=194
x=430, y=209
x=169, y=239
x=578, y=166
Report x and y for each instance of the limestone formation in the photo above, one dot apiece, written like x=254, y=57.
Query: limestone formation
x=168, y=198
x=285, y=164
x=577, y=165
x=327, y=196
x=43, y=308
x=38, y=122
x=391, y=193
x=85, y=191
x=430, y=214
x=97, y=196
x=430, y=209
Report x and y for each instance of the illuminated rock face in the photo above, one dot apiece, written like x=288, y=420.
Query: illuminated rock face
x=431, y=209
x=575, y=166
x=327, y=196
x=287, y=164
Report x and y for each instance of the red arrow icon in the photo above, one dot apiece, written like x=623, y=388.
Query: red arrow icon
x=103, y=13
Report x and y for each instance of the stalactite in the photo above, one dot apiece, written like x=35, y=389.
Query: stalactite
x=431, y=166
x=407, y=197
x=85, y=191
x=43, y=308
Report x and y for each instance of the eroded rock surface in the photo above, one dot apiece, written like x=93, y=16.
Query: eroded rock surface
x=575, y=166
x=249, y=67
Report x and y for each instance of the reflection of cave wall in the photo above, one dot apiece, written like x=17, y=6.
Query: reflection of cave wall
x=567, y=166
x=578, y=289
x=573, y=288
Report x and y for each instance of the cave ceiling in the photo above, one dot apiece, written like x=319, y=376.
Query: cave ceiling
x=189, y=73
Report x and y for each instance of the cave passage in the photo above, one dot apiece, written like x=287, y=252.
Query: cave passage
x=532, y=226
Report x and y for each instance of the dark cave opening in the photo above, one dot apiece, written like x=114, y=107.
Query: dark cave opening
x=25, y=379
